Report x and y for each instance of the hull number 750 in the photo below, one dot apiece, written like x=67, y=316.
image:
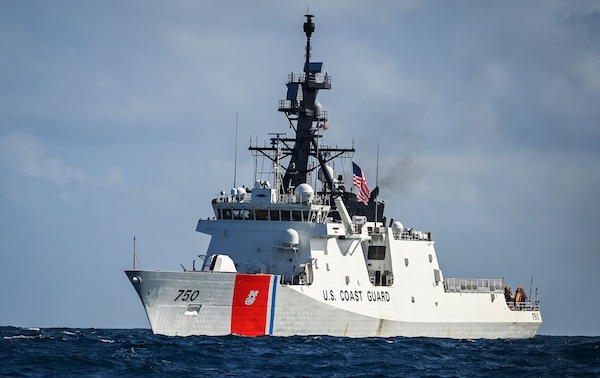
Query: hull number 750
x=187, y=295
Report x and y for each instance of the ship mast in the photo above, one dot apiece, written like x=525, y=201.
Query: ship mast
x=301, y=105
x=307, y=118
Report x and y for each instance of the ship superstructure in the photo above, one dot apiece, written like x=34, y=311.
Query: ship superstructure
x=286, y=258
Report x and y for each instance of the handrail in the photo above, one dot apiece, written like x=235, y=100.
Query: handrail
x=411, y=235
x=473, y=285
x=523, y=306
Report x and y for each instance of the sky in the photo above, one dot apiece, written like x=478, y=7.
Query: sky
x=117, y=119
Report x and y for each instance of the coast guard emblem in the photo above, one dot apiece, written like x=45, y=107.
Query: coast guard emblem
x=251, y=297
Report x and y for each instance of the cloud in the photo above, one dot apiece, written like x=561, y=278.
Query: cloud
x=114, y=177
x=588, y=71
x=23, y=154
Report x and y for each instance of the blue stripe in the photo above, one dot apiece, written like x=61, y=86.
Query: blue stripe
x=273, y=292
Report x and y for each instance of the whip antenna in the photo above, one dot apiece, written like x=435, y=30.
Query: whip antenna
x=235, y=154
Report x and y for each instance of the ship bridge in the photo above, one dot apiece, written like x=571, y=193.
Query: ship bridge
x=264, y=203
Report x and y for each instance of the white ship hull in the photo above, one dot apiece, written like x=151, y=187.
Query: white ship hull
x=219, y=307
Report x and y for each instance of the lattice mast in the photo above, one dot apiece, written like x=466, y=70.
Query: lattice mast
x=302, y=107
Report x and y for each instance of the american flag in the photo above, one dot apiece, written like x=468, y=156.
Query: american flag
x=360, y=181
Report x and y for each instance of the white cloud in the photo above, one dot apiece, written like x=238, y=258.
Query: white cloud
x=24, y=154
x=114, y=176
x=588, y=71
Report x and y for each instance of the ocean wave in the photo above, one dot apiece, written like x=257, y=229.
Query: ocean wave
x=132, y=352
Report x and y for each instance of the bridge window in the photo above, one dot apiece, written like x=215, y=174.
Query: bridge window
x=242, y=214
x=227, y=214
x=262, y=215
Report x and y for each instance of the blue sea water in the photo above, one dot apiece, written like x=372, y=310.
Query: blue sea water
x=134, y=352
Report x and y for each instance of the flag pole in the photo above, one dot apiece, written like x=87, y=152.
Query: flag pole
x=377, y=184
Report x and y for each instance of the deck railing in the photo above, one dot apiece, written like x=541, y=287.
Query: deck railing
x=487, y=285
x=474, y=285
x=523, y=306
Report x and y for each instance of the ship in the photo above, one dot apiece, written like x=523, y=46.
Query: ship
x=306, y=252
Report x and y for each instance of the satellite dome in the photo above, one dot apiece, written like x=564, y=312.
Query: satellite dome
x=241, y=193
x=397, y=226
x=321, y=174
x=290, y=238
x=304, y=192
x=318, y=107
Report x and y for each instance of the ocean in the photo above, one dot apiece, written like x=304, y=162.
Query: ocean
x=33, y=352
